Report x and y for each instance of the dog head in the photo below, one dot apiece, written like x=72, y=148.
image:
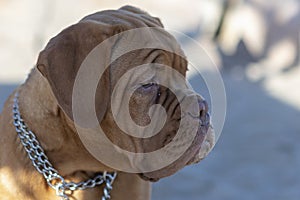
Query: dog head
x=146, y=81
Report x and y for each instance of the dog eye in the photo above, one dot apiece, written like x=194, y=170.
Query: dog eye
x=148, y=85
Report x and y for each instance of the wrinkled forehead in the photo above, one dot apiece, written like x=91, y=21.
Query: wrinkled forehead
x=148, y=65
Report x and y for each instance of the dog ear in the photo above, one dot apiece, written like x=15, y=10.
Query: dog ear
x=60, y=61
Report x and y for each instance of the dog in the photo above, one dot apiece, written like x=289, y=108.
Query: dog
x=44, y=104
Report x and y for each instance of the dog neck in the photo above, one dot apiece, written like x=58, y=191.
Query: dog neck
x=53, y=129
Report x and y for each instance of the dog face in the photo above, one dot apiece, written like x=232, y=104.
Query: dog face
x=145, y=90
x=146, y=86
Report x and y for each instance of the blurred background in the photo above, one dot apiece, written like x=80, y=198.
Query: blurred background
x=256, y=45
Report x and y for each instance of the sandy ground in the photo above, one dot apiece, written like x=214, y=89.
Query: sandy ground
x=258, y=153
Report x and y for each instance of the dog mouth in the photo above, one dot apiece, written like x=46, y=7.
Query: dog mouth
x=207, y=144
x=203, y=143
x=205, y=148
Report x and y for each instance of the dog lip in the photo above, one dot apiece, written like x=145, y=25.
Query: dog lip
x=146, y=178
x=204, y=125
x=194, y=159
x=207, y=145
x=204, y=120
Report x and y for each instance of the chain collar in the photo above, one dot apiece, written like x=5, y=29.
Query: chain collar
x=40, y=161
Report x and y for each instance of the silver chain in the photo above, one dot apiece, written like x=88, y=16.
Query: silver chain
x=41, y=162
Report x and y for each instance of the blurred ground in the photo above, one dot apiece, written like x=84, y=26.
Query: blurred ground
x=258, y=154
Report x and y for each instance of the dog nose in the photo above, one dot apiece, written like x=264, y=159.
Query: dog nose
x=203, y=112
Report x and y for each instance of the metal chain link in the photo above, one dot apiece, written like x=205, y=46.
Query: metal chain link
x=41, y=162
